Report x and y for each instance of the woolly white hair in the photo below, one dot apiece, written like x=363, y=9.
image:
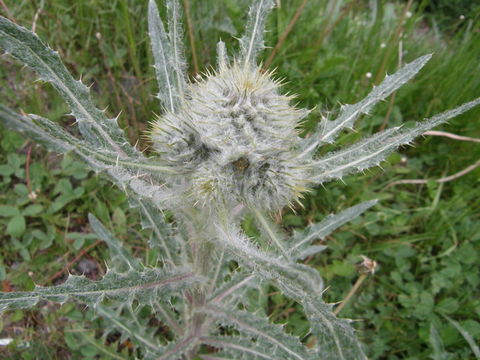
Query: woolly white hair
x=235, y=136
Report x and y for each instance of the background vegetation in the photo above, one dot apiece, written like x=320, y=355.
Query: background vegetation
x=425, y=237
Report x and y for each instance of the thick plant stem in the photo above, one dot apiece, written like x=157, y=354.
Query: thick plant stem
x=201, y=251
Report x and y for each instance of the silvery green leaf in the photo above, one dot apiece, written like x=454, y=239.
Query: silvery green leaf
x=86, y=338
x=124, y=172
x=175, y=31
x=168, y=54
x=336, y=339
x=466, y=335
x=53, y=137
x=265, y=335
x=23, y=124
x=328, y=130
x=231, y=140
x=300, y=241
x=94, y=125
x=309, y=251
x=371, y=151
x=291, y=278
x=162, y=236
x=159, y=195
x=57, y=139
x=120, y=259
x=232, y=287
x=302, y=284
x=238, y=348
x=270, y=231
x=439, y=352
x=223, y=282
x=132, y=285
x=222, y=57
x=251, y=43
x=220, y=269
x=169, y=315
x=175, y=349
x=131, y=326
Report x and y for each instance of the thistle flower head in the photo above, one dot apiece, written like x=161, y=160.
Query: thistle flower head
x=235, y=136
x=232, y=136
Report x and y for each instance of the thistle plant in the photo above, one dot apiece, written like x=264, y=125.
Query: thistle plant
x=226, y=146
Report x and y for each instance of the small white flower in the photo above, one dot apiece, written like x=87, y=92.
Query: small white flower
x=5, y=341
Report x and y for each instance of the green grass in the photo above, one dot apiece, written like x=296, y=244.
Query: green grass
x=425, y=238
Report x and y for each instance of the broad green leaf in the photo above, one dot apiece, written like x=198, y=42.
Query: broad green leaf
x=16, y=226
x=447, y=306
x=6, y=170
x=8, y=210
x=32, y=210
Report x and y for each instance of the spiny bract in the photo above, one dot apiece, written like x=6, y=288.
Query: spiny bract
x=235, y=136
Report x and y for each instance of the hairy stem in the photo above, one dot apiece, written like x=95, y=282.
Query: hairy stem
x=202, y=251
